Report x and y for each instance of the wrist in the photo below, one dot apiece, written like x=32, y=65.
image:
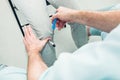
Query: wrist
x=35, y=57
x=33, y=54
x=80, y=16
x=74, y=16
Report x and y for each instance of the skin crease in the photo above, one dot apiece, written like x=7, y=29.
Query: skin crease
x=105, y=21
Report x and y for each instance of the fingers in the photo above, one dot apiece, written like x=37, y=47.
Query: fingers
x=25, y=42
x=60, y=24
x=45, y=41
x=31, y=32
x=55, y=16
x=33, y=44
x=28, y=32
x=60, y=16
x=29, y=35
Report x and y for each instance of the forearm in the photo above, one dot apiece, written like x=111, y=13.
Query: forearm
x=105, y=21
x=36, y=67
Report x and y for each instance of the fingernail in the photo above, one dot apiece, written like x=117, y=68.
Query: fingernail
x=25, y=25
x=50, y=15
x=64, y=26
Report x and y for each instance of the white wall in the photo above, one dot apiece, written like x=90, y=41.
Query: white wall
x=12, y=50
x=97, y=4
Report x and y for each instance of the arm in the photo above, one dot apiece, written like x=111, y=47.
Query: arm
x=105, y=21
x=36, y=65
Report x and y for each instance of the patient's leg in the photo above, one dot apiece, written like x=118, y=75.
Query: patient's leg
x=78, y=31
x=36, y=14
x=79, y=34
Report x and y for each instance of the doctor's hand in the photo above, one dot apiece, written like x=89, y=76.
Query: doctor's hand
x=64, y=15
x=32, y=44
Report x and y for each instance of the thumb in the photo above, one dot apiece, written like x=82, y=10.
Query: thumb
x=54, y=16
x=45, y=40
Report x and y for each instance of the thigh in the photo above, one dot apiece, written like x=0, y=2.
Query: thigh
x=36, y=14
x=79, y=34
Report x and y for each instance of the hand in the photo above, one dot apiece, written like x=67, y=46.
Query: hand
x=64, y=15
x=33, y=45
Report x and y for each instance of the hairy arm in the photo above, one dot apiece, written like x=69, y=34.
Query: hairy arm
x=105, y=21
x=36, y=65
